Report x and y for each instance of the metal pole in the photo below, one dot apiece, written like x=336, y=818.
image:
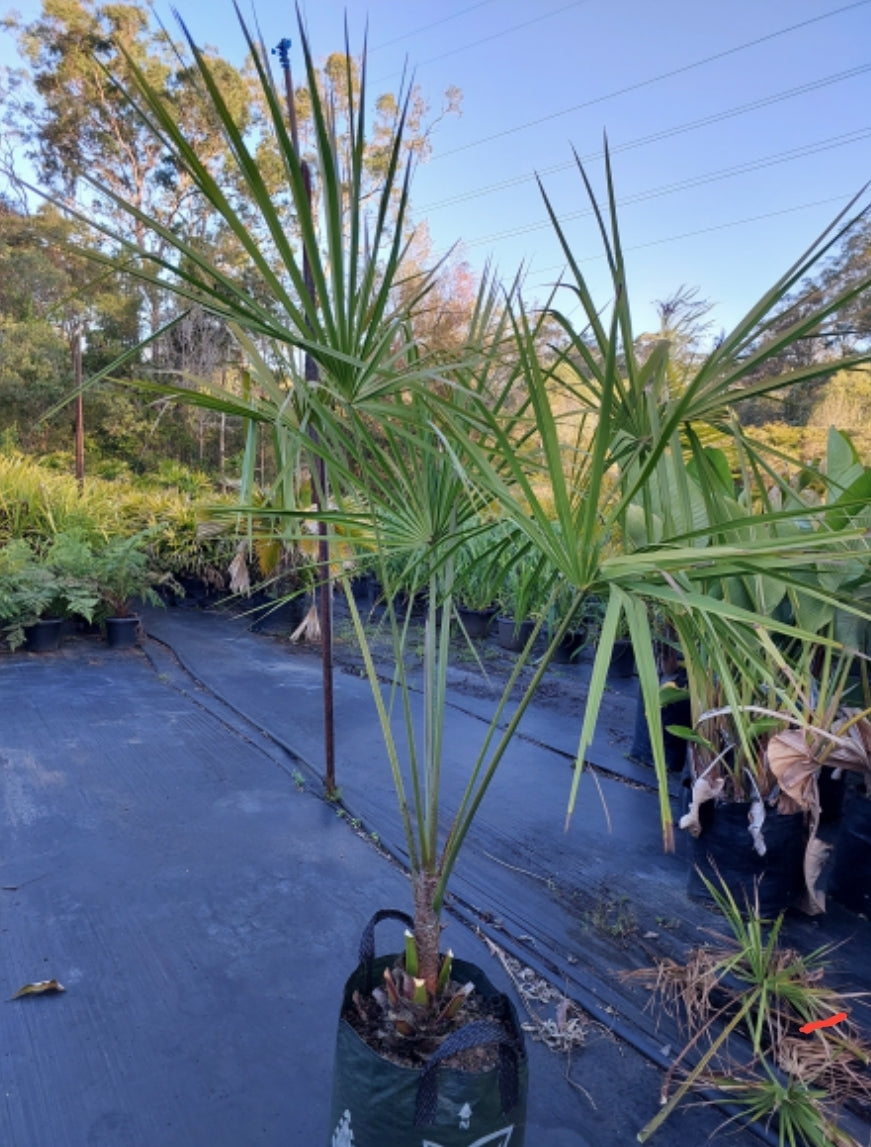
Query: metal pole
x=320, y=477
x=80, y=409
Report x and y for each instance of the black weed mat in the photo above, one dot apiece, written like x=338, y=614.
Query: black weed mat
x=166, y=855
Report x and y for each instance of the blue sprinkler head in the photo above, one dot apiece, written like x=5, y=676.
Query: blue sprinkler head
x=283, y=52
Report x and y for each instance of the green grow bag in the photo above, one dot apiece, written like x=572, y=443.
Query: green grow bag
x=377, y=1103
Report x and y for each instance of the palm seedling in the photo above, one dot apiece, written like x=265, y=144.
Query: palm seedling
x=744, y=1000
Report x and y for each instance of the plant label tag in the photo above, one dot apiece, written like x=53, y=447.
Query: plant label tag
x=495, y=1139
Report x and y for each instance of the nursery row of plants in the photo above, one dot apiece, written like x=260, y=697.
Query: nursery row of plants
x=85, y=555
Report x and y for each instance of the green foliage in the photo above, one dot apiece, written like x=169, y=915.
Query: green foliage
x=27, y=590
x=70, y=559
x=48, y=510
x=122, y=572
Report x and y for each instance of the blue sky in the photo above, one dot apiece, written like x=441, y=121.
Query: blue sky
x=738, y=130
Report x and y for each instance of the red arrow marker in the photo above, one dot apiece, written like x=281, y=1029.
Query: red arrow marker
x=829, y=1023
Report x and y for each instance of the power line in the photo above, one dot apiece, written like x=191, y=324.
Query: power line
x=433, y=24
x=684, y=184
x=702, y=231
x=498, y=36
x=655, y=137
x=652, y=80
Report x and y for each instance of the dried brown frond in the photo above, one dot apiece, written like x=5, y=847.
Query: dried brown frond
x=683, y=991
x=836, y=1063
x=309, y=628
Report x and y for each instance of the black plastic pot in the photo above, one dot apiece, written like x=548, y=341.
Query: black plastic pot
x=44, y=635
x=363, y=589
x=622, y=659
x=850, y=882
x=513, y=635
x=280, y=616
x=476, y=622
x=196, y=591
x=677, y=713
x=122, y=632
x=569, y=649
x=377, y=1103
x=832, y=790
x=725, y=850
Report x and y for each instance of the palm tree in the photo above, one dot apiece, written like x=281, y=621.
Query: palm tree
x=419, y=453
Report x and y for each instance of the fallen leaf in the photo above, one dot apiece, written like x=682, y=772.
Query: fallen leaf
x=38, y=988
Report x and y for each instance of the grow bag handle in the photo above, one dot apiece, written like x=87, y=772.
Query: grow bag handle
x=367, y=940
x=477, y=1034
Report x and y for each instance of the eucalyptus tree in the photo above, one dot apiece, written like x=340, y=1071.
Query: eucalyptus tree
x=75, y=124
x=51, y=299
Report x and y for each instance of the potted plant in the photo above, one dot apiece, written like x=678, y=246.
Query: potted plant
x=70, y=557
x=621, y=661
x=400, y=488
x=28, y=591
x=287, y=578
x=756, y=805
x=475, y=593
x=523, y=597
x=565, y=610
x=123, y=576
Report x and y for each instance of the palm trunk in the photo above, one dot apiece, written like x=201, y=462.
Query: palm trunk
x=427, y=928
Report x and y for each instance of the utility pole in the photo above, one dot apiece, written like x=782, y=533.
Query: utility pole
x=311, y=375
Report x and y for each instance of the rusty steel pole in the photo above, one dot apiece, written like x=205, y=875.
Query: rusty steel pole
x=80, y=410
x=320, y=477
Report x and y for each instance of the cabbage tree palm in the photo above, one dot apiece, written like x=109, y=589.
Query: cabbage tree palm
x=643, y=510
x=419, y=454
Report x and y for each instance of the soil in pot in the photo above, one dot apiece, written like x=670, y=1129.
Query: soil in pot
x=122, y=632
x=513, y=635
x=725, y=850
x=44, y=635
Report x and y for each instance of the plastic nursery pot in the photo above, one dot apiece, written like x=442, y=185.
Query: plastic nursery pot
x=363, y=589
x=832, y=790
x=850, y=882
x=122, y=632
x=724, y=850
x=476, y=622
x=676, y=713
x=376, y=1102
x=196, y=591
x=280, y=616
x=569, y=649
x=513, y=635
x=622, y=659
x=44, y=635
